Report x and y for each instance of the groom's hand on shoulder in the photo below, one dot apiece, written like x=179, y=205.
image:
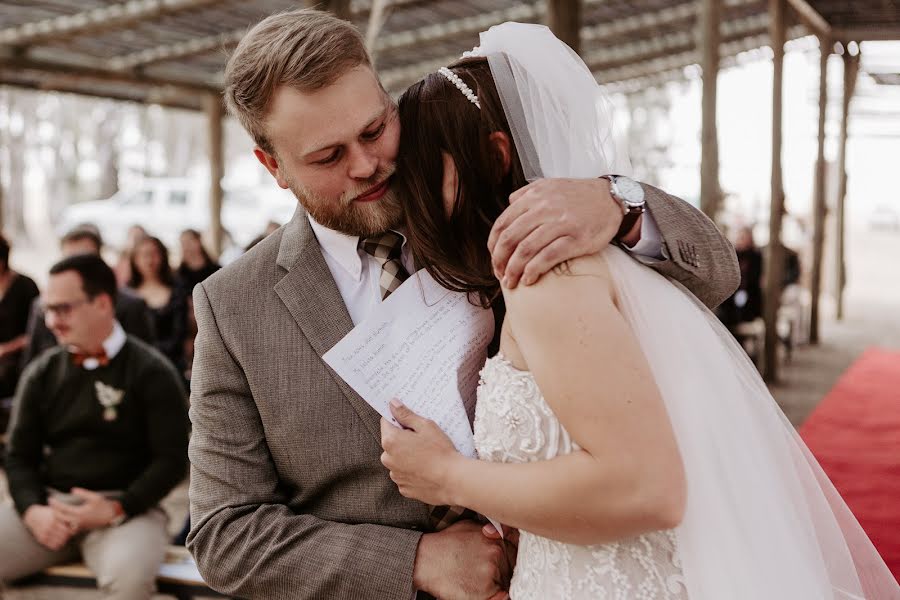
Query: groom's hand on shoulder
x=550, y=221
x=460, y=562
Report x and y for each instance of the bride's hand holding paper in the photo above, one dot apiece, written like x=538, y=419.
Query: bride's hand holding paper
x=421, y=458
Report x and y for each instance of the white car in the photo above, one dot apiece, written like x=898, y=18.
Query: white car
x=167, y=206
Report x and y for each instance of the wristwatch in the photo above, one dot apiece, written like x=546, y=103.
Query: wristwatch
x=630, y=196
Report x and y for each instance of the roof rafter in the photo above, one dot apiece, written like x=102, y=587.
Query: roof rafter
x=810, y=17
x=163, y=96
x=866, y=34
x=175, y=51
x=619, y=78
x=456, y=27
x=99, y=74
x=107, y=17
x=611, y=57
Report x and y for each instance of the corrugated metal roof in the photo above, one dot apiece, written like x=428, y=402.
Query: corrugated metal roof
x=169, y=50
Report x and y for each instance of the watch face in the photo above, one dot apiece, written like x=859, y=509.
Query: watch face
x=630, y=191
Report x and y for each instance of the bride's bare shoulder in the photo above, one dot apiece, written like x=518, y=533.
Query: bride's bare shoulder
x=583, y=275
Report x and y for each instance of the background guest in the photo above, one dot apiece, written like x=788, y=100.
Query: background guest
x=746, y=302
x=17, y=292
x=131, y=310
x=98, y=437
x=123, y=264
x=196, y=264
x=153, y=280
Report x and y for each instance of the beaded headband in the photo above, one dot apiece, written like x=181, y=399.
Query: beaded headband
x=460, y=85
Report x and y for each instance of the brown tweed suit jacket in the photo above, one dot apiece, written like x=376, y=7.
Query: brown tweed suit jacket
x=288, y=495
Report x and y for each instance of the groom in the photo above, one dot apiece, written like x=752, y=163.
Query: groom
x=288, y=495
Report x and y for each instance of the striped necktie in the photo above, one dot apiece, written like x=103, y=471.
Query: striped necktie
x=385, y=249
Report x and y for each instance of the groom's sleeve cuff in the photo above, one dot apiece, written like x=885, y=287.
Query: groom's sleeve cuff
x=649, y=248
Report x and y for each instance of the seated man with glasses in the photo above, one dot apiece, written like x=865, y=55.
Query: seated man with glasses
x=131, y=310
x=98, y=437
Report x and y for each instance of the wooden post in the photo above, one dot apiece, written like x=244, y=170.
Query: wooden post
x=564, y=19
x=851, y=69
x=214, y=113
x=708, y=39
x=774, y=253
x=819, y=195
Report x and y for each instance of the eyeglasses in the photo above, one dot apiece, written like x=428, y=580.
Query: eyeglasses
x=63, y=309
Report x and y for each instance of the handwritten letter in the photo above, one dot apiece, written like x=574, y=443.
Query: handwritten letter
x=425, y=346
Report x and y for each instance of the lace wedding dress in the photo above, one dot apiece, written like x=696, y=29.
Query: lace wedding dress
x=762, y=521
x=513, y=423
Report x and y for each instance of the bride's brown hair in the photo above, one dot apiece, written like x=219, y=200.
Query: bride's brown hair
x=435, y=116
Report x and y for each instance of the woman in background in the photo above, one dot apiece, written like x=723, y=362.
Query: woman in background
x=153, y=280
x=196, y=263
x=17, y=292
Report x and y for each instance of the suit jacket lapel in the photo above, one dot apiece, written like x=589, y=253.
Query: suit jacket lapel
x=310, y=294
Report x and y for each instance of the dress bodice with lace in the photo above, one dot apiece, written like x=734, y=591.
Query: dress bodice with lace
x=513, y=423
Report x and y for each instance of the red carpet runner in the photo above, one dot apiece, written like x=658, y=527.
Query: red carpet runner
x=855, y=435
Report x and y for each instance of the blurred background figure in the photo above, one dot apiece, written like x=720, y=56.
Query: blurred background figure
x=271, y=227
x=153, y=279
x=196, y=264
x=87, y=482
x=746, y=302
x=123, y=265
x=131, y=311
x=17, y=292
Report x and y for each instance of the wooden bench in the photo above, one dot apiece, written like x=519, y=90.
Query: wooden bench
x=178, y=576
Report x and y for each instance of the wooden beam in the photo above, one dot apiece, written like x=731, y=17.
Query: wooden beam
x=634, y=24
x=867, y=34
x=629, y=61
x=810, y=17
x=457, y=27
x=162, y=96
x=851, y=70
x=641, y=50
x=524, y=12
x=564, y=19
x=214, y=113
x=670, y=66
x=819, y=195
x=774, y=251
x=360, y=9
x=96, y=19
x=396, y=80
x=708, y=40
x=98, y=74
x=180, y=50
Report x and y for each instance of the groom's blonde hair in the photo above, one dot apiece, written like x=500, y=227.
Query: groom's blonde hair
x=305, y=49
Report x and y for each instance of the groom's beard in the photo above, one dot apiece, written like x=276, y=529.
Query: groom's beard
x=361, y=219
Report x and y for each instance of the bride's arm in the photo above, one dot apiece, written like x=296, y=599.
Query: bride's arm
x=628, y=479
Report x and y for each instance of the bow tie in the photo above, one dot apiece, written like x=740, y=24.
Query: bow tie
x=79, y=359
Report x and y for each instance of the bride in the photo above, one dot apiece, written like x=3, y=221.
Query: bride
x=620, y=428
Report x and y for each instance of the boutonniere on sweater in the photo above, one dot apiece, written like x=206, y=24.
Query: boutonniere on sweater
x=109, y=398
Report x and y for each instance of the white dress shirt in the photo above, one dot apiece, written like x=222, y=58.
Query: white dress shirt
x=357, y=273
x=111, y=345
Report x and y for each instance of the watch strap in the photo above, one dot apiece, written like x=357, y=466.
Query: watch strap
x=628, y=222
